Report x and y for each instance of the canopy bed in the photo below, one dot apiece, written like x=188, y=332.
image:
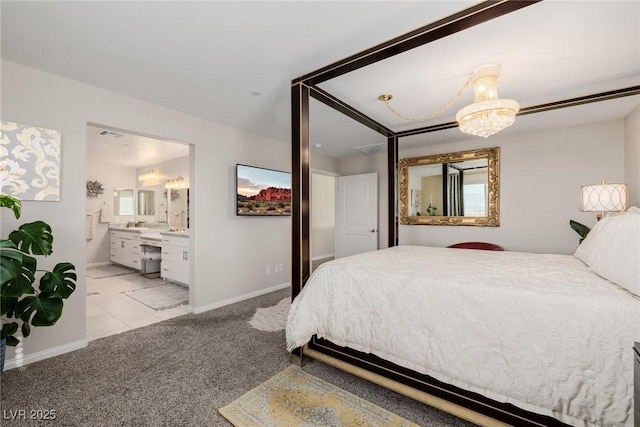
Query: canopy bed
x=487, y=402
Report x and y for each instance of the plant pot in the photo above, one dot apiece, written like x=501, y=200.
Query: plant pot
x=3, y=346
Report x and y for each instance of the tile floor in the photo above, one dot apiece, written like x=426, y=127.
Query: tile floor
x=110, y=311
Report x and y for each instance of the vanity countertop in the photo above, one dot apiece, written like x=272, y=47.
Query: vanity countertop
x=150, y=233
x=175, y=233
x=129, y=229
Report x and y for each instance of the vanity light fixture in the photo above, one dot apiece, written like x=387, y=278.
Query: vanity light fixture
x=176, y=183
x=603, y=198
x=486, y=116
x=150, y=174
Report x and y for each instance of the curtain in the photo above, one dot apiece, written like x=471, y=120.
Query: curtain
x=454, y=195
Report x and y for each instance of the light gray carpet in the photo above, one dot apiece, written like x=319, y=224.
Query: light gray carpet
x=102, y=271
x=161, y=297
x=176, y=373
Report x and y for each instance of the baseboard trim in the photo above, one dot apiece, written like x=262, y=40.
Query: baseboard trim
x=45, y=354
x=198, y=310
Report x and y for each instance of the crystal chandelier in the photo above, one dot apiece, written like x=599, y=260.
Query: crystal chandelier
x=488, y=114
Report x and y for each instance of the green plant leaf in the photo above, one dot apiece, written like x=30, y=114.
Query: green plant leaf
x=40, y=310
x=581, y=229
x=9, y=329
x=10, y=259
x=20, y=276
x=12, y=203
x=33, y=238
x=62, y=280
x=26, y=329
x=8, y=332
x=7, y=305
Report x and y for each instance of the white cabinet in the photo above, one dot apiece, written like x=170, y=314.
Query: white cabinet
x=175, y=259
x=125, y=248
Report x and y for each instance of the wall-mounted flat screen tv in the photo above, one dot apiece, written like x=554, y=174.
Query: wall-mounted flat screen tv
x=262, y=192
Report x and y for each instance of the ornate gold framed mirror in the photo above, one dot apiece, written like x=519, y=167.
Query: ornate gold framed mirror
x=461, y=188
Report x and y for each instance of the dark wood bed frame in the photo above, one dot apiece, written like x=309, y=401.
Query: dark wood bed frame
x=462, y=403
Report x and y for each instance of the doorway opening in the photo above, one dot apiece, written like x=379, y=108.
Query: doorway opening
x=137, y=229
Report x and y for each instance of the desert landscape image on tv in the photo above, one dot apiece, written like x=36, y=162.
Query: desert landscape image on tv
x=262, y=192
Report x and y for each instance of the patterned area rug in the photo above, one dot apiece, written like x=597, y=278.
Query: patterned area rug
x=271, y=319
x=161, y=297
x=295, y=398
x=109, y=270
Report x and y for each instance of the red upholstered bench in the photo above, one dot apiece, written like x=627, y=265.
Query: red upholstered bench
x=477, y=245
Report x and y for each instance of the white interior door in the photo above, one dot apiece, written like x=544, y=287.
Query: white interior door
x=357, y=214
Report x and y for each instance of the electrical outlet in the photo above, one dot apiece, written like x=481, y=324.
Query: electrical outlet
x=268, y=270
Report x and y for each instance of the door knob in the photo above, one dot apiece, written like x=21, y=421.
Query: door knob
x=373, y=230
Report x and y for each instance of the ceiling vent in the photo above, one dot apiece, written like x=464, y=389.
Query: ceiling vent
x=110, y=133
x=372, y=148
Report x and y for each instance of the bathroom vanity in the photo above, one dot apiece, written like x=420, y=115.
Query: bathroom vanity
x=175, y=257
x=125, y=247
x=152, y=251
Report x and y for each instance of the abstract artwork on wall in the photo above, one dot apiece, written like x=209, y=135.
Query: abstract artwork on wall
x=29, y=162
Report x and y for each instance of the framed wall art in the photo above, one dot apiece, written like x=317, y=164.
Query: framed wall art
x=29, y=161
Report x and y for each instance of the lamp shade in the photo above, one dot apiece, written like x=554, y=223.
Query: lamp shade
x=603, y=197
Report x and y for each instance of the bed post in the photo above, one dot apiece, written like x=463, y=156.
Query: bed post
x=300, y=187
x=299, y=194
x=392, y=172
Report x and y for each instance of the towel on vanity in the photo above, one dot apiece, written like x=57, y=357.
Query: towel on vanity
x=105, y=214
x=89, y=227
x=162, y=214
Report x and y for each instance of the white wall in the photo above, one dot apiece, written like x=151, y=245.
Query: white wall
x=373, y=163
x=323, y=215
x=632, y=155
x=541, y=174
x=111, y=177
x=230, y=252
x=321, y=162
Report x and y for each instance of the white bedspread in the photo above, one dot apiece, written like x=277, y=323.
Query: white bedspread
x=539, y=331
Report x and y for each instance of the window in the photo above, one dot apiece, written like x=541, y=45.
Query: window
x=475, y=199
x=123, y=203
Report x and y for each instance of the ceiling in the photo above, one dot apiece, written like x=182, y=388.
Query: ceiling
x=115, y=147
x=233, y=62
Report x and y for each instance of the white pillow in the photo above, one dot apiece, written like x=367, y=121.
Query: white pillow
x=612, y=249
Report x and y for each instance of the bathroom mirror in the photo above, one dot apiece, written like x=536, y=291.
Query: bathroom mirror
x=178, y=208
x=146, y=202
x=123, y=202
x=461, y=188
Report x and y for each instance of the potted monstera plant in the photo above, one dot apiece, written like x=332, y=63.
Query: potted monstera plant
x=24, y=304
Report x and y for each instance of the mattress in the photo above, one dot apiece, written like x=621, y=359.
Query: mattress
x=540, y=331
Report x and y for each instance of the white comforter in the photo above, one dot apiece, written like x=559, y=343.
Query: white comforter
x=539, y=331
